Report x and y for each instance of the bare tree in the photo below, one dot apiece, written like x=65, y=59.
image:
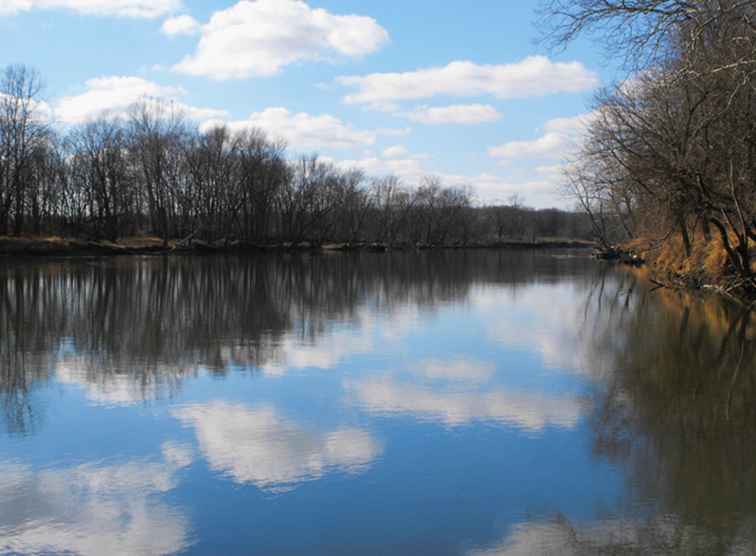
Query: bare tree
x=157, y=131
x=22, y=130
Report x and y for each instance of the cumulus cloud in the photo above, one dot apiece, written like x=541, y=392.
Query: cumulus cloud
x=560, y=138
x=180, y=25
x=528, y=411
x=455, y=114
x=533, y=76
x=120, y=8
x=261, y=37
x=114, y=95
x=303, y=131
x=91, y=509
x=258, y=446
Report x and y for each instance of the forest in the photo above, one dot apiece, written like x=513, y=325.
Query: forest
x=154, y=172
x=670, y=155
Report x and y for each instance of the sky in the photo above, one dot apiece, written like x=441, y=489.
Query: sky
x=458, y=90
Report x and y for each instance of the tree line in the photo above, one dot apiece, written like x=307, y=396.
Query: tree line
x=153, y=171
x=672, y=149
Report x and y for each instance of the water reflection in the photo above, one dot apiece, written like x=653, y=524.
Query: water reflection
x=132, y=330
x=456, y=370
x=324, y=351
x=529, y=411
x=665, y=534
x=93, y=508
x=259, y=446
x=434, y=385
x=672, y=404
x=678, y=413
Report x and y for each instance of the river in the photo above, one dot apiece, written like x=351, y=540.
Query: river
x=478, y=403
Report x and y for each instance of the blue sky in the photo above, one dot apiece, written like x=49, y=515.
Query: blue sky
x=410, y=88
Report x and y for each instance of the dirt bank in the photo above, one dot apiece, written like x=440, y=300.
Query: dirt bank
x=67, y=247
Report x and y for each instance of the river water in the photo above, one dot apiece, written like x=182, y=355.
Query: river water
x=443, y=403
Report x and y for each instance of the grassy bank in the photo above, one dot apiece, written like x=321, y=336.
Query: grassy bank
x=707, y=267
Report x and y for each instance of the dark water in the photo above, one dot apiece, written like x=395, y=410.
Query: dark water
x=446, y=403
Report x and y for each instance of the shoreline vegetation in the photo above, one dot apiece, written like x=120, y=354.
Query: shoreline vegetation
x=71, y=247
x=667, y=265
x=666, y=169
x=151, y=171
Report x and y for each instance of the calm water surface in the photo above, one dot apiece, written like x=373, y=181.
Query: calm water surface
x=449, y=403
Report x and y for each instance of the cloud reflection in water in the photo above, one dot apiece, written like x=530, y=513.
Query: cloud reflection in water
x=529, y=411
x=93, y=509
x=258, y=446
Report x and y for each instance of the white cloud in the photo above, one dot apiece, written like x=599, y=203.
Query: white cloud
x=529, y=411
x=120, y=8
x=258, y=446
x=455, y=114
x=304, y=131
x=550, y=170
x=560, y=139
x=114, y=95
x=487, y=187
x=538, y=193
x=40, y=110
x=180, y=25
x=533, y=76
x=407, y=167
x=571, y=125
x=549, y=145
x=259, y=38
x=395, y=151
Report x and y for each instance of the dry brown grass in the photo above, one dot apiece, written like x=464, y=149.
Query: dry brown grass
x=708, y=262
x=56, y=245
x=137, y=242
x=31, y=237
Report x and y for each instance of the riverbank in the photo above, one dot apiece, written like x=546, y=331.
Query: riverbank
x=71, y=247
x=706, y=268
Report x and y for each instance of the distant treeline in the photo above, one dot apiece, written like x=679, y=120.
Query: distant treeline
x=152, y=171
x=671, y=152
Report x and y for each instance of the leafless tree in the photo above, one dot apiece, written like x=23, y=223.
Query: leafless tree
x=22, y=131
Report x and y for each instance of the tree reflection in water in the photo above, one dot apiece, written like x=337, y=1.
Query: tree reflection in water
x=134, y=329
x=673, y=405
x=673, y=378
